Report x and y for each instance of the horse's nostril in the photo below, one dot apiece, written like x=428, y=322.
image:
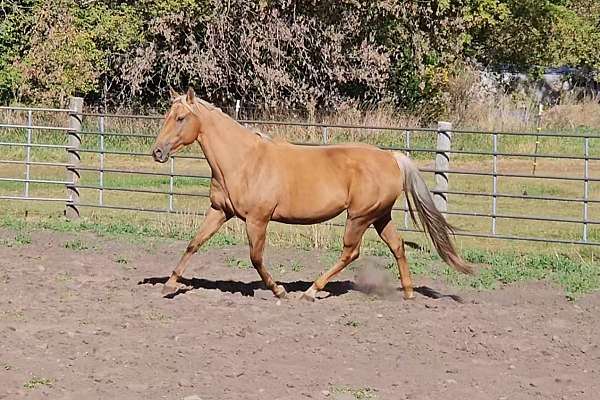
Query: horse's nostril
x=157, y=153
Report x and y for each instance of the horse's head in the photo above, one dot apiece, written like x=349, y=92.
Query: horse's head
x=181, y=127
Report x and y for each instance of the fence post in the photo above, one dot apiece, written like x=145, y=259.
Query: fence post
x=325, y=135
x=28, y=152
x=406, y=205
x=442, y=165
x=101, y=175
x=537, y=137
x=237, y=110
x=75, y=117
x=586, y=186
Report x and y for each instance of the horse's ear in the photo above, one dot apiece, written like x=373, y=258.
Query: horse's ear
x=191, y=96
x=173, y=93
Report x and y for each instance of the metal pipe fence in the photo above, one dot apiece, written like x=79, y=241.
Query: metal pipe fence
x=479, y=179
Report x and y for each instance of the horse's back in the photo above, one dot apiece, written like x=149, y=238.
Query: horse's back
x=345, y=162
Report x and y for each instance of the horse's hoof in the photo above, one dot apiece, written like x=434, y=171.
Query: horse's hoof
x=409, y=295
x=168, y=290
x=307, y=297
x=280, y=292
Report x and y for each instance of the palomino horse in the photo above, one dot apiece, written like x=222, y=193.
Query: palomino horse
x=259, y=180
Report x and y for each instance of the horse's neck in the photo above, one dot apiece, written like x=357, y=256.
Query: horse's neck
x=226, y=145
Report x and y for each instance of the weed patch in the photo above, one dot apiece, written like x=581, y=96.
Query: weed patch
x=364, y=393
x=76, y=245
x=238, y=263
x=36, y=382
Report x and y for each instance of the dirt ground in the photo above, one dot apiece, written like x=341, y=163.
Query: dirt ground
x=88, y=322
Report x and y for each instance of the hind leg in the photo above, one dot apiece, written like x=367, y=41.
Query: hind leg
x=387, y=231
x=355, y=229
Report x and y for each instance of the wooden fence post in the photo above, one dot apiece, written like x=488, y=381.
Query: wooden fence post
x=74, y=143
x=442, y=165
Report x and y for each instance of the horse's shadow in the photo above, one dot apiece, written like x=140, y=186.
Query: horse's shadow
x=336, y=288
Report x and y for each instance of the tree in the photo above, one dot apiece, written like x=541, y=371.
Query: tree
x=301, y=54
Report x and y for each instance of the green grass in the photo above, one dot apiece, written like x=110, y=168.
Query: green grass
x=362, y=393
x=76, y=245
x=18, y=224
x=20, y=239
x=36, y=382
x=114, y=180
x=296, y=266
x=576, y=275
x=238, y=263
x=114, y=228
x=293, y=265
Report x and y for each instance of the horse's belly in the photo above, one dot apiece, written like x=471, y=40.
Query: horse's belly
x=311, y=206
x=314, y=217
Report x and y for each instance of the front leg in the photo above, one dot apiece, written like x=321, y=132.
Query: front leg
x=256, y=231
x=212, y=222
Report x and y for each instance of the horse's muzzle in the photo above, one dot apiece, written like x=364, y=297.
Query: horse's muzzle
x=160, y=155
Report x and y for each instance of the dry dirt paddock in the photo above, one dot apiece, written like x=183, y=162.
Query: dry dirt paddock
x=80, y=323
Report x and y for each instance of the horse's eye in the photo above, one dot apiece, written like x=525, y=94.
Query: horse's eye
x=180, y=118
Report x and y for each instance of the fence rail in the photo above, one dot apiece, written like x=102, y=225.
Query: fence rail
x=77, y=152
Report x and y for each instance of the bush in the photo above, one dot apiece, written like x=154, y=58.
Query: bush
x=280, y=54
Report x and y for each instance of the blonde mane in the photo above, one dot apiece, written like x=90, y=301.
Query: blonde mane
x=211, y=107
